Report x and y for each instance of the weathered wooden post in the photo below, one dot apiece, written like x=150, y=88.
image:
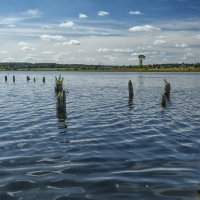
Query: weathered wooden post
x=13, y=78
x=43, y=79
x=167, y=90
x=6, y=78
x=61, y=99
x=166, y=94
x=130, y=90
x=163, y=101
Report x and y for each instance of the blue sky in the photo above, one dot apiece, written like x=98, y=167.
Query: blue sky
x=100, y=31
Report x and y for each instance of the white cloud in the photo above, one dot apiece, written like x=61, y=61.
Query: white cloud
x=183, y=45
x=46, y=27
x=111, y=58
x=11, y=20
x=198, y=37
x=12, y=25
x=144, y=28
x=122, y=50
x=81, y=51
x=3, y=52
x=82, y=16
x=74, y=42
x=159, y=42
x=71, y=42
x=161, y=36
x=68, y=24
x=25, y=46
x=103, y=13
x=133, y=59
x=134, y=54
x=52, y=37
x=188, y=49
x=47, y=52
x=103, y=50
x=32, y=13
x=135, y=12
x=144, y=47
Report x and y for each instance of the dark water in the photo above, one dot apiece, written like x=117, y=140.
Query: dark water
x=108, y=147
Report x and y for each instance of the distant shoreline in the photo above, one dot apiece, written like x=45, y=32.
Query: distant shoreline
x=146, y=69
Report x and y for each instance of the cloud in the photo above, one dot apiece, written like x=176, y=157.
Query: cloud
x=71, y=42
x=46, y=27
x=29, y=14
x=122, y=50
x=52, y=37
x=135, y=13
x=111, y=58
x=74, y=42
x=3, y=52
x=25, y=46
x=183, y=45
x=68, y=24
x=9, y=20
x=159, y=42
x=160, y=36
x=144, y=28
x=103, y=13
x=103, y=50
x=32, y=13
x=47, y=52
x=198, y=37
x=133, y=59
x=82, y=16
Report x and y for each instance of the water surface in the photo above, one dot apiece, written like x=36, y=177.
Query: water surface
x=108, y=147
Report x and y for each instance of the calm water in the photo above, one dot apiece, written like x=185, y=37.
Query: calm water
x=108, y=148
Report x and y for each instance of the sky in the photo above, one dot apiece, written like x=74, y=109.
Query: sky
x=112, y=32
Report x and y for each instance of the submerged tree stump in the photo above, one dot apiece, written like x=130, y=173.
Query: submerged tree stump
x=130, y=90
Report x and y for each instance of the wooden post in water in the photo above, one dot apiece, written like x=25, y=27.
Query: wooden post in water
x=13, y=78
x=43, y=79
x=6, y=78
x=163, y=101
x=61, y=99
x=34, y=79
x=167, y=90
x=130, y=90
x=28, y=78
x=166, y=95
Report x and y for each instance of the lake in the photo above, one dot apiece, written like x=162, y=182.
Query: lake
x=108, y=148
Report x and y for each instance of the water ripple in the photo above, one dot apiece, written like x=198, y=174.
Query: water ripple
x=108, y=147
